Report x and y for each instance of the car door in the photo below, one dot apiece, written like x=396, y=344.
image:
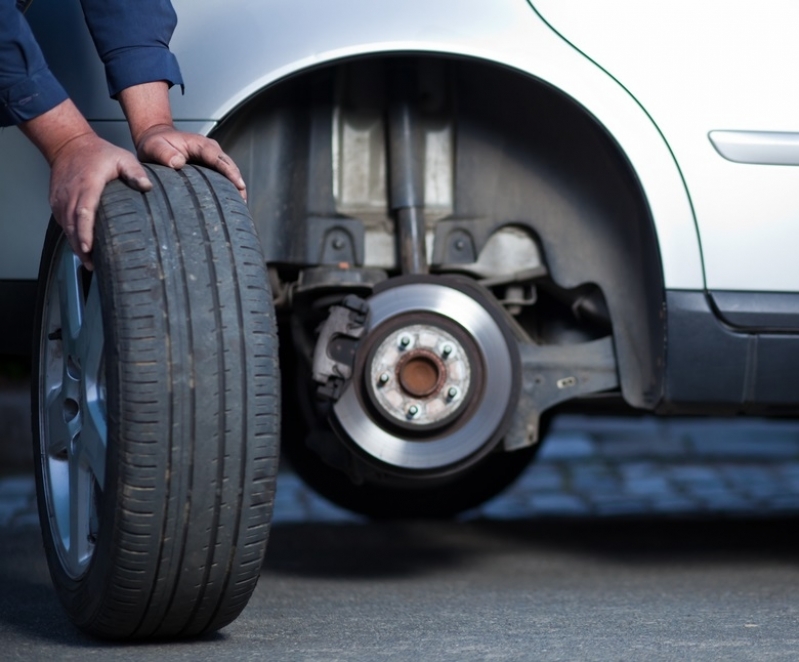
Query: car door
x=719, y=80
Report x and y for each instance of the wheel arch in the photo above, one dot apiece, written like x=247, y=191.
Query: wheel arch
x=590, y=202
x=512, y=40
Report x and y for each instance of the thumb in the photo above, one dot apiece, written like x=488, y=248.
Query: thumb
x=159, y=150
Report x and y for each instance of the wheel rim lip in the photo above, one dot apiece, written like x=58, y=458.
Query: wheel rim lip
x=57, y=491
x=490, y=412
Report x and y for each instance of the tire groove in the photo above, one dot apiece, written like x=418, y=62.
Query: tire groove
x=178, y=252
x=244, y=393
x=221, y=359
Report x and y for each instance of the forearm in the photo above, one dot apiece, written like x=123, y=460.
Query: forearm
x=146, y=106
x=52, y=131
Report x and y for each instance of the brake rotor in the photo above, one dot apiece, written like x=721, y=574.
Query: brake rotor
x=435, y=379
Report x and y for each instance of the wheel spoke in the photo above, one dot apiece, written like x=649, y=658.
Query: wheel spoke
x=92, y=442
x=70, y=299
x=90, y=341
x=90, y=345
x=79, y=514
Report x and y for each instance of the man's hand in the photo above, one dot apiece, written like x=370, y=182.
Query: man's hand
x=150, y=118
x=166, y=145
x=81, y=164
x=79, y=173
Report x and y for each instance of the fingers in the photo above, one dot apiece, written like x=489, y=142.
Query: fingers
x=208, y=152
x=78, y=177
x=132, y=173
x=84, y=216
x=80, y=214
x=155, y=148
x=75, y=210
x=174, y=148
x=224, y=164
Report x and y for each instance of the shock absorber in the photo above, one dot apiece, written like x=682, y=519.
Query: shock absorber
x=406, y=169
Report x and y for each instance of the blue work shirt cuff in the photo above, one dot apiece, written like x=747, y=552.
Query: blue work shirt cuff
x=30, y=98
x=127, y=67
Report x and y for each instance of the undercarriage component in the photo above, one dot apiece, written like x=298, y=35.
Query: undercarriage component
x=556, y=373
x=406, y=171
x=335, y=350
x=435, y=377
x=519, y=184
x=440, y=405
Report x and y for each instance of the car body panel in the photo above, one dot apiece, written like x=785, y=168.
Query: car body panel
x=699, y=67
x=227, y=56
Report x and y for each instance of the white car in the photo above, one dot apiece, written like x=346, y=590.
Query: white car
x=470, y=211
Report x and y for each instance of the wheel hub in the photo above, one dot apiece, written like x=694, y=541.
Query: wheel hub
x=416, y=374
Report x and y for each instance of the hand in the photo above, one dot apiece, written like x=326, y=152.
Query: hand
x=166, y=145
x=79, y=172
x=81, y=164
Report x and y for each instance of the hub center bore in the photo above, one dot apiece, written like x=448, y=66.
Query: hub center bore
x=420, y=374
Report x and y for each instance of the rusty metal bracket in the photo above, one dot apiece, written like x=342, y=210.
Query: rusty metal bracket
x=553, y=374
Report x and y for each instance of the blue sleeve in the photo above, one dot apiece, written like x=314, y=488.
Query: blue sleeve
x=27, y=88
x=132, y=39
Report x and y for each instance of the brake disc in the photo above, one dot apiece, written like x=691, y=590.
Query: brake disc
x=434, y=380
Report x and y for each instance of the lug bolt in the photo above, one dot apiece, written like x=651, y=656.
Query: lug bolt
x=413, y=410
x=446, y=350
x=452, y=393
x=383, y=379
x=405, y=341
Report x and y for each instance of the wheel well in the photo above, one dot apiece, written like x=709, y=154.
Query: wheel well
x=512, y=150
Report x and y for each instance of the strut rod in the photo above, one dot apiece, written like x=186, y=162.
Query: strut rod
x=406, y=171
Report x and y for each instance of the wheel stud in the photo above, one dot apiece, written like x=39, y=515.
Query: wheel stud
x=446, y=350
x=404, y=341
x=413, y=411
x=452, y=393
x=383, y=379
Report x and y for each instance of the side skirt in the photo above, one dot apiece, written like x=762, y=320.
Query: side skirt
x=715, y=367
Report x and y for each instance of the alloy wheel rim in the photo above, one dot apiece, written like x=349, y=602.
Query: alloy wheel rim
x=72, y=410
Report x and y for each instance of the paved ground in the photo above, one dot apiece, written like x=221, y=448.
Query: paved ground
x=629, y=539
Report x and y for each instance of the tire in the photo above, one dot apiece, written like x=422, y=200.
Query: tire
x=156, y=410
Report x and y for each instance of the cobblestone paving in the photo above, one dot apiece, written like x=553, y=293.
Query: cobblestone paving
x=595, y=467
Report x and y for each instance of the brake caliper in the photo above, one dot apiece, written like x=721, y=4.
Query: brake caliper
x=339, y=337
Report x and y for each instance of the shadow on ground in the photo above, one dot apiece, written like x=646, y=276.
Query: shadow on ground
x=396, y=549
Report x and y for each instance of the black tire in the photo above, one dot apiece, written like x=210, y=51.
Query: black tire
x=179, y=517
